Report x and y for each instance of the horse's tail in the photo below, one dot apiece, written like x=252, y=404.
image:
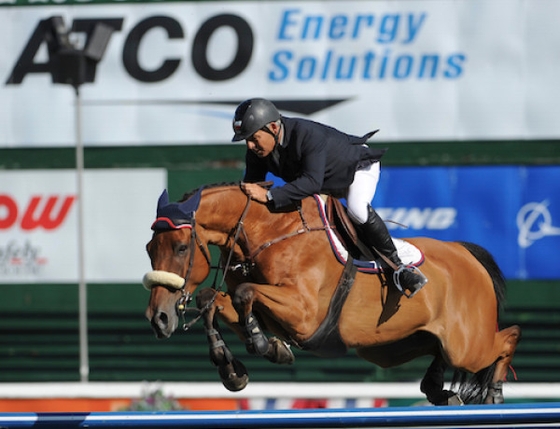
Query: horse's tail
x=473, y=388
x=489, y=263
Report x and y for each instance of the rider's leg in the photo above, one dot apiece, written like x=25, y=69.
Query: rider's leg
x=374, y=233
x=372, y=229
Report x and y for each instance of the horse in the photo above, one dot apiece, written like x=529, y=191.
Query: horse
x=283, y=285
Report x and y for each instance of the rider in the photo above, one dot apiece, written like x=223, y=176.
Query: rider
x=313, y=158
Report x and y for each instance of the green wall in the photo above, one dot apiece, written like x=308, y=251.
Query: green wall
x=39, y=324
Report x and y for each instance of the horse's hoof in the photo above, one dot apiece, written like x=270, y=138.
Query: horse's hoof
x=279, y=352
x=235, y=384
x=455, y=400
x=495, y=394
x=446, y=397
x=236, y=378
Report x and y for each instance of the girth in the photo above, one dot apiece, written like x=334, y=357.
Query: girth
x=326, y=340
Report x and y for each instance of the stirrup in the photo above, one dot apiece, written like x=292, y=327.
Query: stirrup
x=419, y=285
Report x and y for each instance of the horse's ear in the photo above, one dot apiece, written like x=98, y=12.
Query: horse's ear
x=163, y=199
x=186, y=206
x=190, y=206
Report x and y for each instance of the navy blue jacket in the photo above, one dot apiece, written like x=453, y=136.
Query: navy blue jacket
x=314, y=158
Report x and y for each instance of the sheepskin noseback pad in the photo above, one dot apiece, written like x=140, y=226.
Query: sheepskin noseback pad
x=175, y=215
x=162, y=278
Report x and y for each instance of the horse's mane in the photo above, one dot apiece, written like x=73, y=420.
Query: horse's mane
x=187, y=195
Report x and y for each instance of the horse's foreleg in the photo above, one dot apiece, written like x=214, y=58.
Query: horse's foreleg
x=507, y=339
x=256, y=342
x=232, y=372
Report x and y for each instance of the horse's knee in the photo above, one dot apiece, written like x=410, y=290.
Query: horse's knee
x=205, y=296
x=242, y=297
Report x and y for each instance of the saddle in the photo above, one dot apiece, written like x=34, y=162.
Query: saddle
x=345, y=231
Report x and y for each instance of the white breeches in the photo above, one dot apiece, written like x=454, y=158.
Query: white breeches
x=361, y=192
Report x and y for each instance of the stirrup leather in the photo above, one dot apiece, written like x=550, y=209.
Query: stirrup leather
x=397, y=280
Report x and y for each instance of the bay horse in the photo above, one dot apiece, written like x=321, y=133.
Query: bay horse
x=283, y=284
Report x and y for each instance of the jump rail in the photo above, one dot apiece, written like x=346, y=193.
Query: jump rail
x=541, y=392
x=490, y=416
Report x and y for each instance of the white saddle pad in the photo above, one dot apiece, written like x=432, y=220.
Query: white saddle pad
x=408, y=253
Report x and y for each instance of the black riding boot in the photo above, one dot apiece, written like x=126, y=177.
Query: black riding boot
x=374, y=233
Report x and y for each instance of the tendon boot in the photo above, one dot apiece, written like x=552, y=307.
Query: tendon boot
x=407, y=278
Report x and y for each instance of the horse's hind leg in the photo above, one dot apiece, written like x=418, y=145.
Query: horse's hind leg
x=508, y=338
x=256, y=342
x=232, y=372
x=432, y=384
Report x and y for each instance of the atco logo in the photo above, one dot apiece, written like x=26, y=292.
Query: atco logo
x=417, y=218
x=43, y=212
x=534, y=222
x=131, y=50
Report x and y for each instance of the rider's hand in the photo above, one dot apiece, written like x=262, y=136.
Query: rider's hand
x=255, y=192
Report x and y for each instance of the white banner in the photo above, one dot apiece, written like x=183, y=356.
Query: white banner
x=39, y=232
x=172, y=73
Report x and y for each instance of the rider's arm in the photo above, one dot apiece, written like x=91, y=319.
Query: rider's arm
x=313, y=159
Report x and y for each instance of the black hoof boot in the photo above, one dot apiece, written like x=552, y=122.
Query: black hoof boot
x=256, y=342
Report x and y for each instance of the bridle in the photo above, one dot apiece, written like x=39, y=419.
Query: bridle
x=174, y=281
x=186, y=296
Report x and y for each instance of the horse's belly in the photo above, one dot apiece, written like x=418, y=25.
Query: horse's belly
x=420, y=343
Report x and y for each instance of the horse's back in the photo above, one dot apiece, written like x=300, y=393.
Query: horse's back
x=455, y=273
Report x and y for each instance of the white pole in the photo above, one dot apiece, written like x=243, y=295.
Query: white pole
x=255, y=390
x=82, y=288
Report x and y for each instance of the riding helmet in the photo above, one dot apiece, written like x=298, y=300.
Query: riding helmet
x=252, y=115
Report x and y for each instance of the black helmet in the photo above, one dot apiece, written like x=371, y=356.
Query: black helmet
x=251, y=116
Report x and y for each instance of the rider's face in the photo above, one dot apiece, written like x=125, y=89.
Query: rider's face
x=262, y=143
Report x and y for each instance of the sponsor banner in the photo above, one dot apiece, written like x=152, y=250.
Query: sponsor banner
x=172, y=73
x=514, y=212
x=39, y=224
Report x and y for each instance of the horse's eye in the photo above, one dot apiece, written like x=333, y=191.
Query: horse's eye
x=182, y=249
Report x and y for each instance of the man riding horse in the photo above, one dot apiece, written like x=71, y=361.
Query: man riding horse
x=313, y=158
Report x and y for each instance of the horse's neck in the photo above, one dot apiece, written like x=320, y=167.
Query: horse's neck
x=221, y=210
x=223, y=213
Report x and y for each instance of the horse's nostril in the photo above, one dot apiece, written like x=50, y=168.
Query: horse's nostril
x=163, y=318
